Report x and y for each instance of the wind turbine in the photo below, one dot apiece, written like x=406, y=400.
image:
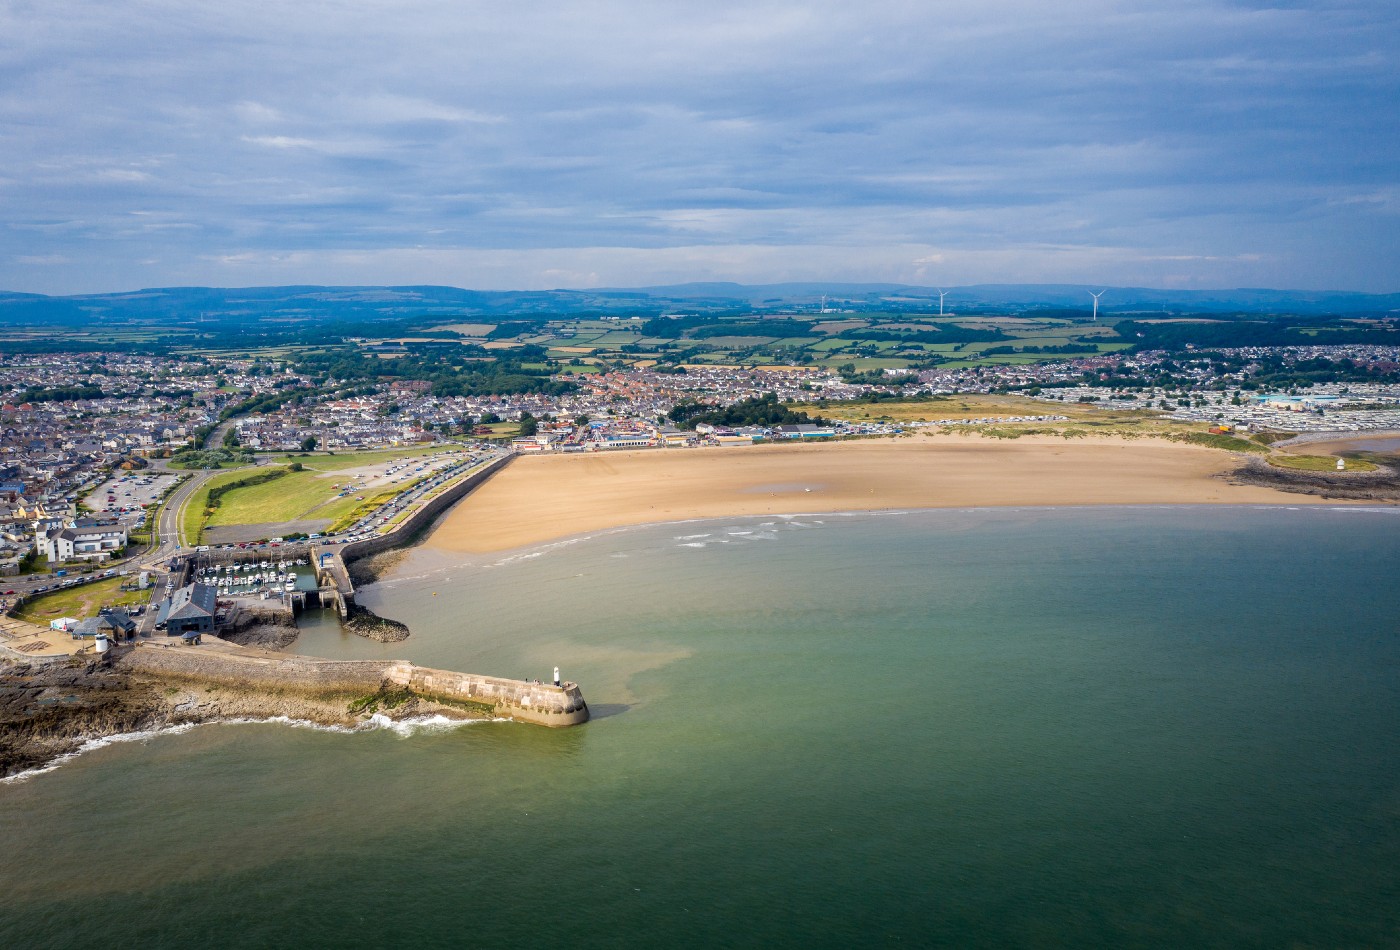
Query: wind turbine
x=941, y=294
x=1096, y=297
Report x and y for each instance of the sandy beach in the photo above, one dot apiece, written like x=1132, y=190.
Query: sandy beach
x=544, y=498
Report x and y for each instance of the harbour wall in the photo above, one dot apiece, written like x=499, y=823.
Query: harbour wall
x=540, y=703
x=294, y=673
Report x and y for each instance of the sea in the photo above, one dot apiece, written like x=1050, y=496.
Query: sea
x=1129, y=727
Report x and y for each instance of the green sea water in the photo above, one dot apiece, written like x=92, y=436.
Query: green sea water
x=1120, y=727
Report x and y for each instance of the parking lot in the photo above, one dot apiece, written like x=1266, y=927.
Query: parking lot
x=129, y=494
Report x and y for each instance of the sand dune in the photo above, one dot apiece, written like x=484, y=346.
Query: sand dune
x=543, y=498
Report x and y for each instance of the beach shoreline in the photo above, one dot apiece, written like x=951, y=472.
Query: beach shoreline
x=543, y=499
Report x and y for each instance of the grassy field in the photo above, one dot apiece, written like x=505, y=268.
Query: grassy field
x=80, y=602
x=1318, y=463
x=307, y=494
x=292, y=497
x=192, y=522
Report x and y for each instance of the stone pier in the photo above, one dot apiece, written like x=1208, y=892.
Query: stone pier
x=541, y=703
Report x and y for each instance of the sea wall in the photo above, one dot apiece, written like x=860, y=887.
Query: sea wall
x=421, y=518
x=541, y=703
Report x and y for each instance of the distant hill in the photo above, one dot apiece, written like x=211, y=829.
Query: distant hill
x=314, y=304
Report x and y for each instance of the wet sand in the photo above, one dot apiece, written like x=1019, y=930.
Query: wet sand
x=544, y=498
x=1335, y=443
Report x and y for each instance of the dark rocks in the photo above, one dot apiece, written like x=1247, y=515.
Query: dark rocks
x=366, y=623
x=1382, y=485
x=49, y=710
x=267, y=636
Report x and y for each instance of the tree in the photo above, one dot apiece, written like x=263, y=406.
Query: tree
x=528, y=424
x=308, y=443
x=231, y=439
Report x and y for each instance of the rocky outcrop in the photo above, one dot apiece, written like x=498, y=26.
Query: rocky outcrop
x=364, y=622
x=51, y=710
x=271, y=629
x=1382, y=485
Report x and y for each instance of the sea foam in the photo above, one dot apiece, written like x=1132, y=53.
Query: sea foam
x=403, y=728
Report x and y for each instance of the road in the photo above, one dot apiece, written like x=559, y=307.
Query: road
x=167, y=538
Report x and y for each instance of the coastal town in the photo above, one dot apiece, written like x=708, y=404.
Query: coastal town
x=89, y=443
x=781, y=474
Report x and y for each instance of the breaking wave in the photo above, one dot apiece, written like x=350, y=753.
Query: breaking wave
x=403, y=728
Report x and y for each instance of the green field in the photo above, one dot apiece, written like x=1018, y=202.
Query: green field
x=292, y=497
x=80, y=602
x=192, y=522
x=296, y=495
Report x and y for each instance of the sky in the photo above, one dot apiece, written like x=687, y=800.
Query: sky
x=530, y=145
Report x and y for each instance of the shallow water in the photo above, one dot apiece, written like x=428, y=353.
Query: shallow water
x=1158, y=727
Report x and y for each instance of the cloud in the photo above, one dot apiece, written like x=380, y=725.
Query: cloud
x=279, y=141
x=1244, y=142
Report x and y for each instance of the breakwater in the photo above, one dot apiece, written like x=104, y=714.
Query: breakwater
x=541, y=703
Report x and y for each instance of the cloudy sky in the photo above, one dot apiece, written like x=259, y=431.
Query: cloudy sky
x=1167, y=143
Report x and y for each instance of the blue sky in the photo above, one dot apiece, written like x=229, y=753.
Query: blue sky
x=1166, y=143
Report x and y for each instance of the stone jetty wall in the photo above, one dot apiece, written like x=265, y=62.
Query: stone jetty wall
x=304, y=674
x=542, y=703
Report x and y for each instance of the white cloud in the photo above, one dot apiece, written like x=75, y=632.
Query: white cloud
x=1243, y=144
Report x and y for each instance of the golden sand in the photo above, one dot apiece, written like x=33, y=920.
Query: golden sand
x=544, y=498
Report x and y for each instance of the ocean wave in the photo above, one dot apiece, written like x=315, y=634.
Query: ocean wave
x=518, y=557
x=690, y=537
x=101, y=742
x=403, y=728
x=407, y=727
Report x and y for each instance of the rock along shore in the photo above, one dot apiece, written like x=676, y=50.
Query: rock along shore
x=51, y=710
x=1382, y=485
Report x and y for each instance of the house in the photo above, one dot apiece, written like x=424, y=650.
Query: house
x=115, y=622
x=86, y=543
